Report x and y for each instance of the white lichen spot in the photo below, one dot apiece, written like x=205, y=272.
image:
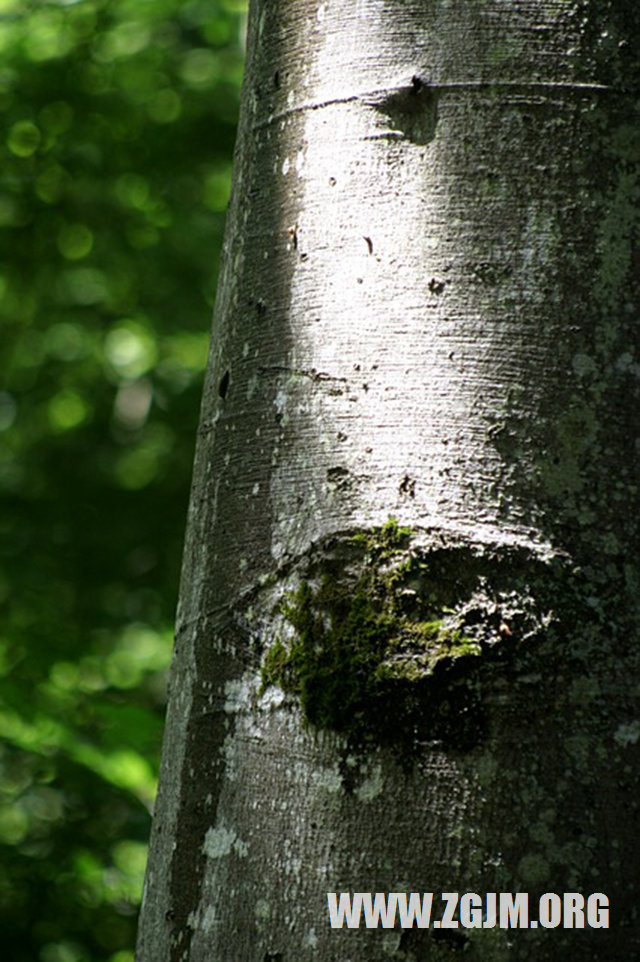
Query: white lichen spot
x=218, y=842
x=208, y=919
x=236, y=696
x=241, y=848
x=230, y=757
x=391, y=943
x=538, y=238
x=255, y=489
x=272, y=698
x=262, y=909
x=311, y=939
x=628, y=733
x=245, y=349
x=252, y=386
x=221, y=841
x=321, y=12
x=285, y=166
x=328, y=780
x=300, y=163
x=280, y=403
x=371, y=787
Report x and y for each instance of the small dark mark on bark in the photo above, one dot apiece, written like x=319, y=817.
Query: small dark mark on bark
x=317, y=376
x=369, y=244
x=259, y=304
x=339, y=476
x=407, y=486
x=491, y=274
x=436, y=287
x=223, y=386
x=293, y=234
x=276, y=79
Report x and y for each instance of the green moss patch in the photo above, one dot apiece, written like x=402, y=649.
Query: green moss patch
x=373, y=650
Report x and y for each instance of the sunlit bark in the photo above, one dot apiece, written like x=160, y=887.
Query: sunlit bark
x=428, y=311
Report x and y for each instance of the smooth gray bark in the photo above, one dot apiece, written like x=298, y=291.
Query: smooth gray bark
x=428, y=310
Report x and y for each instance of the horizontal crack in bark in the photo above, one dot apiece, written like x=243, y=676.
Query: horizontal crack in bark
x=439, y=87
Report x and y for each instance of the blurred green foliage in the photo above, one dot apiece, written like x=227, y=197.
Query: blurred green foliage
x=117, y=132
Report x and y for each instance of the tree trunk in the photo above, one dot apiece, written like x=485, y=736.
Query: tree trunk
x=406, y=655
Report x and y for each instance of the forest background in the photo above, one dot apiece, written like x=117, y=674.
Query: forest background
x=118, y=123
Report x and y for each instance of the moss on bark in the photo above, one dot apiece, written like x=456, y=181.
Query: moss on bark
x=365, y=643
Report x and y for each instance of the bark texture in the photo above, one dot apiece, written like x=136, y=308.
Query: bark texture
x=428, y=311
